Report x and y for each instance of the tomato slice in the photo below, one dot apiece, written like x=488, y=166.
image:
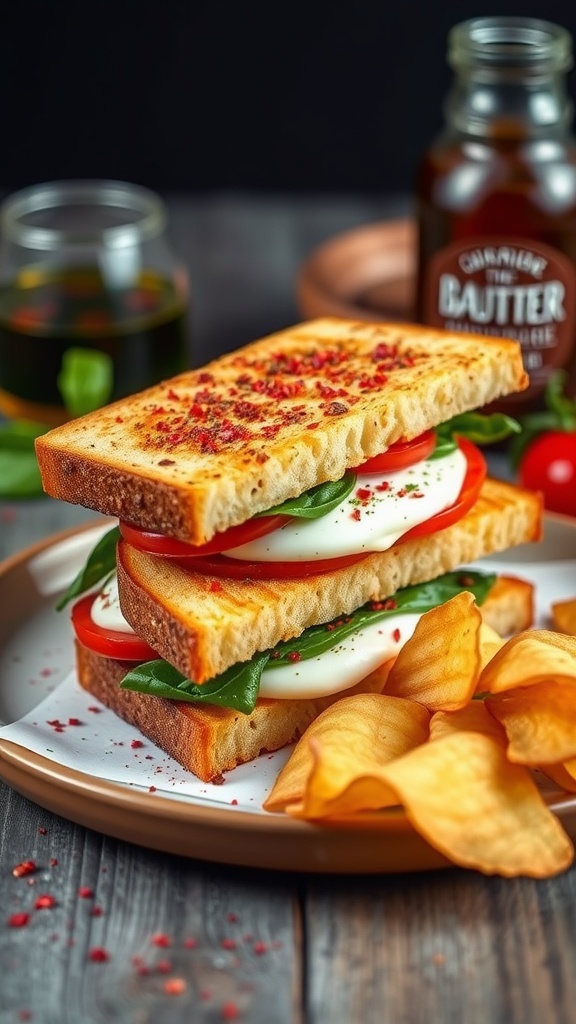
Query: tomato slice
x=401, y=454
x=235, y=568
x=475, y=476
x=110, y=642
x=169, y=547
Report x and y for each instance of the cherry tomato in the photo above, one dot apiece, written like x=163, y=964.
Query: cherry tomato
x=110, y=642
x=475, y=476
x=401, y=454
x=236, y=568
x=549, y=465
x=169, y=547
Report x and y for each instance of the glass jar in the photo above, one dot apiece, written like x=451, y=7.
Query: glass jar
x=496, y=198
x=92, y=299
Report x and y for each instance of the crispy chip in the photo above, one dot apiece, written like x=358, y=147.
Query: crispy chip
x=564, y=616
x=335, y=767
x=540, y=721
x=530, y=658
x=490, y=643
x=475, y=717
x=440, y=664
x=463, y=795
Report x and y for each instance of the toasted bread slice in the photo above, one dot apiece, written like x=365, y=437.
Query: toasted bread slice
x=209, y=741
x=202, y=625
x=212, y=447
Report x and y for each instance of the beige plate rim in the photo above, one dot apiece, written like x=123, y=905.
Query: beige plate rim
x=226, y=836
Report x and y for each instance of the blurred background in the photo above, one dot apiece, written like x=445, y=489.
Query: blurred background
x=235, y=108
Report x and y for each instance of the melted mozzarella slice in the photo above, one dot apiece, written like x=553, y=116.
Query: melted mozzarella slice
x=342, y=666
x=377, y=512
x=105, y=610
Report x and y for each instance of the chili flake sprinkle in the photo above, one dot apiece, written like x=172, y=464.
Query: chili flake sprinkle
x=26, y=867
x=18, y=920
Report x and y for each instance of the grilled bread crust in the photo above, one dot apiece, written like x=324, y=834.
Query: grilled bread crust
x=202, y=625
x=209, y=741
x=212, y=447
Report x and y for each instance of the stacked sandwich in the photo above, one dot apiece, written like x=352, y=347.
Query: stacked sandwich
x=285, y=515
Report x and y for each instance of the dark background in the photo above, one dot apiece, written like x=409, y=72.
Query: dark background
x=196, y=95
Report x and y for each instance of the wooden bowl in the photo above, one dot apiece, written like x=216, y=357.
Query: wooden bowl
x=366, y=273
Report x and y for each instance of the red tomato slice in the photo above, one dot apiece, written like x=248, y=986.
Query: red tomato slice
x=169, y=547
x=236, y=568
x=110, y=642
x=401, y=454
x=475, y=476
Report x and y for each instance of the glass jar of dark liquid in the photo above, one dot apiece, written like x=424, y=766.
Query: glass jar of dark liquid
x=93, y=300
x=497, y=198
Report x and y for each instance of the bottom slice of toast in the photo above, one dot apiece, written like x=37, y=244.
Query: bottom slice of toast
x=209, y=741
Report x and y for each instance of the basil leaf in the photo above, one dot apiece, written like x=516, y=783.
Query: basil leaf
x=236, y=688
x=85, y=380
x=410, y=600
x=19, y=472
x=480, y=428
x=100, y=564
x=316, y=502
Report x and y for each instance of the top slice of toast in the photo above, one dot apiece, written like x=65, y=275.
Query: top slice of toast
x=212, y=447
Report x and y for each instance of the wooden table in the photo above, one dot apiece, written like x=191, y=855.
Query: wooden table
x=261, y=947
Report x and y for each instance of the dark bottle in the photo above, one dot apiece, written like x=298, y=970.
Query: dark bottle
x=497, y=198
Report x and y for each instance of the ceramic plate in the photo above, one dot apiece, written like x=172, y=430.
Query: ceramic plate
x=223, y=824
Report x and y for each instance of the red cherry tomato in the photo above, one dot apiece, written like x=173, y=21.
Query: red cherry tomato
x=110, y=642
x=549, y=465
x=236, y=568
x=169, y=547
x=401, y=454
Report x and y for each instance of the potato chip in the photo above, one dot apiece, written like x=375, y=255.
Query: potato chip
x=564, y=616
x=529, y=658
x=440, y=664
x=539, y=720
x=490, y=643
x=475, y=717
x=335, y=766
x=463, y=795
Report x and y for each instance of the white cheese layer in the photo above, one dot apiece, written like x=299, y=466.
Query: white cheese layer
x=105, y=610
x=333, y=671
x=342, y=666
x=380, y=509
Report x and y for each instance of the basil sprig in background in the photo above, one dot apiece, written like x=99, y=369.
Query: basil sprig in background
x=238, y=687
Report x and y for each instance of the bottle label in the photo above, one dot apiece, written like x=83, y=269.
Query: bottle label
x=511, y=288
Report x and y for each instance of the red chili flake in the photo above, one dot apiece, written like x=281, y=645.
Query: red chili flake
x=231, y=917
x=228, y=944
x=136, y=744
x=42, y=831
x=85, y=892
x=98, y=955
x=336, y=409
x=384, y=606
x=175, y=986
x=215, y=586
x=312, y=426
x=151, y=789
x=384, y=486
x=417, y=494
x=26, y=867
x=164, y=966
x=45, y=902
x=171, y=394
x=161, y=939
x=230, y=1011
x=74, y=721
x=94, y=710
x=96, y=912
x=54, y=723
x=190, y=943
x=364, y=493
x=396, y=635
x=19, y=920
x=356, y=515
x=119, y=419
x=260, y=948
x=53, y=862
x=234, y=802
x=294, y=656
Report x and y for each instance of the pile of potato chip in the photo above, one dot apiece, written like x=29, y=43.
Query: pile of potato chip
x=465, y=726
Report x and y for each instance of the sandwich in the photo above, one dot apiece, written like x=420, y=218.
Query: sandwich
x=318, y=485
